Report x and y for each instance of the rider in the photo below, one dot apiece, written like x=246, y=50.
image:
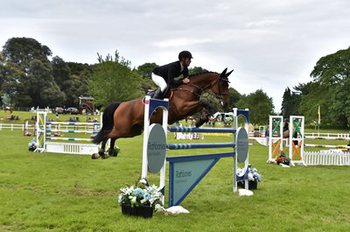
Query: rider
x=169, y=74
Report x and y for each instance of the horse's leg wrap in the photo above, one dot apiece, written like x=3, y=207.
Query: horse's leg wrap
x=102, y=151
x=203, y=118
x=112, y=151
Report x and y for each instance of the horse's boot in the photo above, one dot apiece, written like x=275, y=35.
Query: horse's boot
x=158, y=94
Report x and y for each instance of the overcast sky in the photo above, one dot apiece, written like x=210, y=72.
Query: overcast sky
x=271, y=44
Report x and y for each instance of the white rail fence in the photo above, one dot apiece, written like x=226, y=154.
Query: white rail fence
x=8, y=126
x=327, y=158
x=14, y=126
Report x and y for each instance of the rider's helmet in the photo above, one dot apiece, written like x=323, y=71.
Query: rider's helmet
x=185, y=54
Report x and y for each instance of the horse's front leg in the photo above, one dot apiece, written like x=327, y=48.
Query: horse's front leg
x=102, y=151
x=203, y=117
x=112, y=151
x=205, y=113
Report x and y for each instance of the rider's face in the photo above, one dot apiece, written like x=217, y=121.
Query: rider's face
x=186, y=62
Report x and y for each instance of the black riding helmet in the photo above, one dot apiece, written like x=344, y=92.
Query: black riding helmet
x=185, y=54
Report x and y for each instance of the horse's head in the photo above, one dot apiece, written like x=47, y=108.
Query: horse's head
x=220, y=86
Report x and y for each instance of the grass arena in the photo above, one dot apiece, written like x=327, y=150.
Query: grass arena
x=65, y=192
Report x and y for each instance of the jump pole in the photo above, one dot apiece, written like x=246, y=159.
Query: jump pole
x=150, y=106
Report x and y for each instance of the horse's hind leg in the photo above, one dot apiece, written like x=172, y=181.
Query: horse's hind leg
x=112, y=151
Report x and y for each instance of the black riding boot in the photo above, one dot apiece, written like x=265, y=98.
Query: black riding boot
x=158, y=94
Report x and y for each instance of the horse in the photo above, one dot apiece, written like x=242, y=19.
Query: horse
x=125, y=119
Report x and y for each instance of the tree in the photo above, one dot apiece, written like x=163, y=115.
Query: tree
x=14, y=85
x=28, y=73
x=197, y=70
x=332, y=69
x=22, y=51
x=332, y=74
x=112, y=82
x=43, y=89
x=235, y=97
x=290, y=103
x=312, y=95
x=146, y=69
x=72, y=78
x=60, y=71
x=260, y=106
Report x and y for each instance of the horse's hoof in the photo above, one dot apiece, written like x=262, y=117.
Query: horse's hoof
x=115, y=152
x=105, y=156
x=95, y=156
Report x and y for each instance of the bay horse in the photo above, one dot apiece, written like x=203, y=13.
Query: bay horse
x=125, y=119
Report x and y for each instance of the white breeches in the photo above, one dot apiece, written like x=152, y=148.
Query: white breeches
x=158, y=80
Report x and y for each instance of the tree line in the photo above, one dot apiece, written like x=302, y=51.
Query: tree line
x=326, y=97
x=30, y=76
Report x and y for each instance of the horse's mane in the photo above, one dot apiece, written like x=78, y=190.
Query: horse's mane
x=202, y=73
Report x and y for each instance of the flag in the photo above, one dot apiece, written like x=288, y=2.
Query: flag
x=319, y=114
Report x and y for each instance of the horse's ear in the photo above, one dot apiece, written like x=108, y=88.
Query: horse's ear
x=223, y=73
x=229, y=73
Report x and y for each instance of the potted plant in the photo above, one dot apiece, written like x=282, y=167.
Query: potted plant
x=140, y=199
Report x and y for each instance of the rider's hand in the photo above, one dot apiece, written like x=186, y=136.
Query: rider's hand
x=186, y=80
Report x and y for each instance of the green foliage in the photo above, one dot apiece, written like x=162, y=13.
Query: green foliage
x=117, y=58
x=332, y=69
x=60, y=71
x=73, y=83
x=196, y=70
x=260, y=106
x=235, y=97
x=27, y=74
x=290, y=103
x=314, y=95
x=340, y=108
x=112, y=81
x=22, y=51
x=146, y=69
x=43, y=89
x=329, y=89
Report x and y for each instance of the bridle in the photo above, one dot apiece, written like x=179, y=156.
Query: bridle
x=210, y=85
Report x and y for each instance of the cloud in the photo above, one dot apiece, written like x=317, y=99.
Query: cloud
x=263, y=23
x=180, y=42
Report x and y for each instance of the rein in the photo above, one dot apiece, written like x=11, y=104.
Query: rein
x=201, y=89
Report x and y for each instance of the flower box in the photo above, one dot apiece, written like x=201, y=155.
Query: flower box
x=253, y=184
x=140, y=199
x=143, y=210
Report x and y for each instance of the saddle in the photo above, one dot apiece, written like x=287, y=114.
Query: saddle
x=167, y=94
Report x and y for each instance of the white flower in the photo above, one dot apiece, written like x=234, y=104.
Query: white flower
x=133, y=200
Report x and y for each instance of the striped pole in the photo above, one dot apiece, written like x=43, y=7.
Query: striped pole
x=179, y=146
x=74, y=123
x=201, y=130
x=67, y=139
x=72, y=131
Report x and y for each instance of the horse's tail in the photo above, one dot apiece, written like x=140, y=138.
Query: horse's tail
x=107, y=122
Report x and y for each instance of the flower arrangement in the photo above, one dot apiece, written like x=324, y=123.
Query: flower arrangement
x=140, y=194
x=252, y=174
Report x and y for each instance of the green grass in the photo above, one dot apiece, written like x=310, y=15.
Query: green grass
x=56, y=192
